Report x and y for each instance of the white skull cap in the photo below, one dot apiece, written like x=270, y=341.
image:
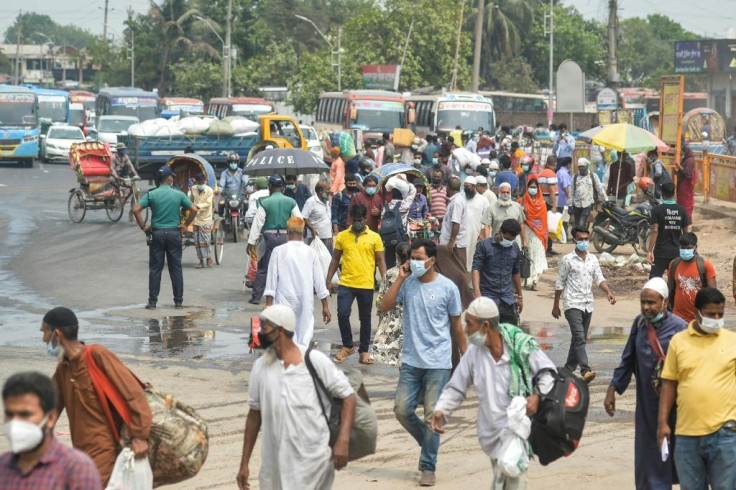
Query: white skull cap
x=483, y=308
x=280, y=315
x=658, y=285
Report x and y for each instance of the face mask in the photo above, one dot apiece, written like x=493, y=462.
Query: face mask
x=437, y=182
x=200, y=188
x=53, y=350
x=533, y=191
x=122, y=153
x=668, y=202
x=506, y=243
x=370, y=190
x=418, y=267
x=291, y=187
x=582, y=245
x=710, y=325
x=417, y=161
x=687, y=253
x=233, y=166
x=264, y=340
x=358, y=226
x=525, y=168
x=414, y=147
x=492, y=174
x=478, y=339
x=505, y=197
x=583, y=171
x=469, y=193
x=351, y=188
x=24, y=436
x=435, y=161
x=657, y=317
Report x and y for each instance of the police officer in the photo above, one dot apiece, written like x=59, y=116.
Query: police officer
x=270, y=226
x=167, y=228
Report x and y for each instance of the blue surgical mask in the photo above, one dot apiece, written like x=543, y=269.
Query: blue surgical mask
x=668, y=202
x=582, y=245
x=233, y=166
x=658, y=317
x=687, y=253
x=418, y=267
x=435, y=161
x=370, y=190
x=506, y=243
x=200, y=188
x=533, y=191
x=291, y=187
x=492, y=174
x=51, y=349
x=525, y=168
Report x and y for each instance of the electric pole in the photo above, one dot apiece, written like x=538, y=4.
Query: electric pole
x=550, y=100
x=226, y=92
x=104, y=26
x=613, y=77
x=453, y=82
x=17, y=65
x=478, y=44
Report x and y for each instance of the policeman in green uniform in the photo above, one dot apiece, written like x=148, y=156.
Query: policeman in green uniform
x=166, y=204
x=269, y=225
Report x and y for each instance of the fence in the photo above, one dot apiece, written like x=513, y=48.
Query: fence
x=716, y=176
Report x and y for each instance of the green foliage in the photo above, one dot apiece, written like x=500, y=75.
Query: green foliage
x=31, y=23
x=6, y=66
x=197, y=78
x=514, y=75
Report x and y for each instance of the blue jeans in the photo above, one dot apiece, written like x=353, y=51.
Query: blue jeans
x=345, y=298
x=417, y=384
x=713, y=456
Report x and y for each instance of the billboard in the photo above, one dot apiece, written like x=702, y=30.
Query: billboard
x=705, y=56
x=381, y=77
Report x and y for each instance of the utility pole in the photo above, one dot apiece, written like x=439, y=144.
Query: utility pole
x=17, y=65
x=613, y=77
x=104, y=26
x=457, y=47
x=226, y=91
x=550, y=101
x=478, y=44
x=339, y=58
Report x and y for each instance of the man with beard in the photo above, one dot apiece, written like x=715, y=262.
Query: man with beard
x=506, y=208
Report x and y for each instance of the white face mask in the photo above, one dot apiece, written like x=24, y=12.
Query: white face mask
x=478, y=339
x=24, y=436
x=710, y=325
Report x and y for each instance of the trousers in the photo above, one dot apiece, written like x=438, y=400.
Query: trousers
x=165, y=246
x=579, y=322
x=271, y=240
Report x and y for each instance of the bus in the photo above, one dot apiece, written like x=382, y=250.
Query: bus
x=372, y=111
x=19, y=129
x=127, y=101
x=87, y=99
x=512, y=102
x=444, y=112
x=690, y=101
x=181, y=106
x=53, y=106
x=83, y=108
x=248, y=107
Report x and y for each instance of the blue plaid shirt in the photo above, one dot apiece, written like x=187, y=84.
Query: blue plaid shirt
x=340, y=206
x=496, y=265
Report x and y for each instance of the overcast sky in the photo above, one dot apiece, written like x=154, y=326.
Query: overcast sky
x=711, y=18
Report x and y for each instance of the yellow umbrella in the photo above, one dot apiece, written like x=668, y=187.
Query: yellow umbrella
x=625, y=137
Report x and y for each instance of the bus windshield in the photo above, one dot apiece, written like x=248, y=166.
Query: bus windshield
x=467, y=115
x=144, y=108
x=17, y=110
x=53, y=107
x=251, y=111
x=379, y=115
x=77, y=117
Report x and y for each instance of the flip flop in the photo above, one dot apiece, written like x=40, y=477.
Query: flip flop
x=199, y=266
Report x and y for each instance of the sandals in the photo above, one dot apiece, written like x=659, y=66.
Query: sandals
x=344, y=354
x=365, y=358
x=210, y=262
x=199, y=266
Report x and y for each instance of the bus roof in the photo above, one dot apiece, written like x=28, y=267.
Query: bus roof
x=514, y=94
x=458, y=96
x=365, y=94
x=181, y=100
x=126, y=92
x=240, y=100
x=81, y=93
x=15, y=89
x=50, y=91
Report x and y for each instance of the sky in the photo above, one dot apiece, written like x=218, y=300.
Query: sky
x=711, y=18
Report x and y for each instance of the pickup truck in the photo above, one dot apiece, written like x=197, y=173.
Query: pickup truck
x=148, y=153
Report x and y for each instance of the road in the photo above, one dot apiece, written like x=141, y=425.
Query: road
x=200, y=354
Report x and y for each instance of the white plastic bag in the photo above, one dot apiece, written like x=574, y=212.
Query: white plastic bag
x=130, y=473
x=514, y=459
x=323, y=253
x=554, y=225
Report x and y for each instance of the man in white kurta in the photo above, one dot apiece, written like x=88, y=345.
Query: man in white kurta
x=294, y=274
x=476, y=217
x=487, y=366
x=285, y=406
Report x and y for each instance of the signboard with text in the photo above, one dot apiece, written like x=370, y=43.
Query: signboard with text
x=705, y=56
x=381, y=77
x=670, y=111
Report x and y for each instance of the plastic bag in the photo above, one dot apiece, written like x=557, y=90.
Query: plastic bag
x=514, y=458
x=130, y=473
x=323, y=253
x=554, y=225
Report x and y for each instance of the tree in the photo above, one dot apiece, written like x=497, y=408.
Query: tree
x=197, y=78
x=514, y=75
x=33, y=23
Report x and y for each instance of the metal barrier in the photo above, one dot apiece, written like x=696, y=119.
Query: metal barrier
x=716, y=176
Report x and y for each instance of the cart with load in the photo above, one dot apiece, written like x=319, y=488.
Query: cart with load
x=91, y=162
x=186, y=168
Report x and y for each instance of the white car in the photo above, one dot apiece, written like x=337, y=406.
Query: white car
x=56, y=143
x=109, y=127
x=313, y=141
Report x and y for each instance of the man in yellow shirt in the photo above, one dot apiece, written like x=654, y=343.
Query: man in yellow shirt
x=700, y=370
x=360, y=250
x=202, y=194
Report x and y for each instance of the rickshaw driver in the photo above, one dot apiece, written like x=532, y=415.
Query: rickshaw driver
x=121, y=167
x=232, y=181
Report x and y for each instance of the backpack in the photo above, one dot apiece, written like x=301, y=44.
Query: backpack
x=672, y=269
x=364, y=432
x=179, y=436
x=558, y=424
x=393, y=231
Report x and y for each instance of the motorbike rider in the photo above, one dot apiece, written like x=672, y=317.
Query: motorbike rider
x=232, y=181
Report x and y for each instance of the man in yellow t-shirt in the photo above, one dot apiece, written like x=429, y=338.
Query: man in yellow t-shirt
x=700, y=370
x=360, y=250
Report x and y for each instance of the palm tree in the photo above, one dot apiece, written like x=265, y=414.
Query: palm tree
x=174, y=17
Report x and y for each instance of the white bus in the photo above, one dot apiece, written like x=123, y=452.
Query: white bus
x=445, y=112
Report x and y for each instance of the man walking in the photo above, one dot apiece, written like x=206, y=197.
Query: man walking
x=686, y=275
x=643, y=356
x=88, y=423
x=687, y=175
x=669, y=221
x=492, y=365
x=294, y=275
x=372, y=200
x=586, y=190
x=477, y=217
x=431, y=307
x=496, y=273
x=438, y=196
x=318, y=214
x=578, y=270
x=341, y=204
x=360, y=251
x=484, y=191
x=564, y=145
x=269, y=225
x=699, y=374
x=37, y=460
x=166, y=204
x=454, y=233
x=506, y=176
x=286, y=407
x=296, y=190
x=548, y=183
x=506, y=208
x=202, y=196
x=657, y=172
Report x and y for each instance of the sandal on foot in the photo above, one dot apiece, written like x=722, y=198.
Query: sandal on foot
x=344, y=354
x=199, y=266
x=365, y=358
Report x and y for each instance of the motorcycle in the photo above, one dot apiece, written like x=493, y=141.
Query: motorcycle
x=234, y=214
x=614, y=227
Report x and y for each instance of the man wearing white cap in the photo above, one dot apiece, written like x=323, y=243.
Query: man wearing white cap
x=284, y=403
x=643, y=357
x=477, y=217
x=586, y=190
x=506, y=208
x=496, y=362
x=483, y=189
x=493, y=169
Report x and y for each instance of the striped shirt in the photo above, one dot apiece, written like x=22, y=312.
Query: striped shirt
x=439, y=199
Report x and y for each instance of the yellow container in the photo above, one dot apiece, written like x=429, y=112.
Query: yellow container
x=403, y=137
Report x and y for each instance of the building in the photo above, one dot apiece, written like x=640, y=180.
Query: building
x=47, y=64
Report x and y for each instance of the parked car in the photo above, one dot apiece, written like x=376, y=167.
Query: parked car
x=109, y=127
x=56, y=143
x=313, y=141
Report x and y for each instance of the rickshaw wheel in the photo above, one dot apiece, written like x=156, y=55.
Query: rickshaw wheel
x=114, y=210
x=218, y=243
x=77, y=207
